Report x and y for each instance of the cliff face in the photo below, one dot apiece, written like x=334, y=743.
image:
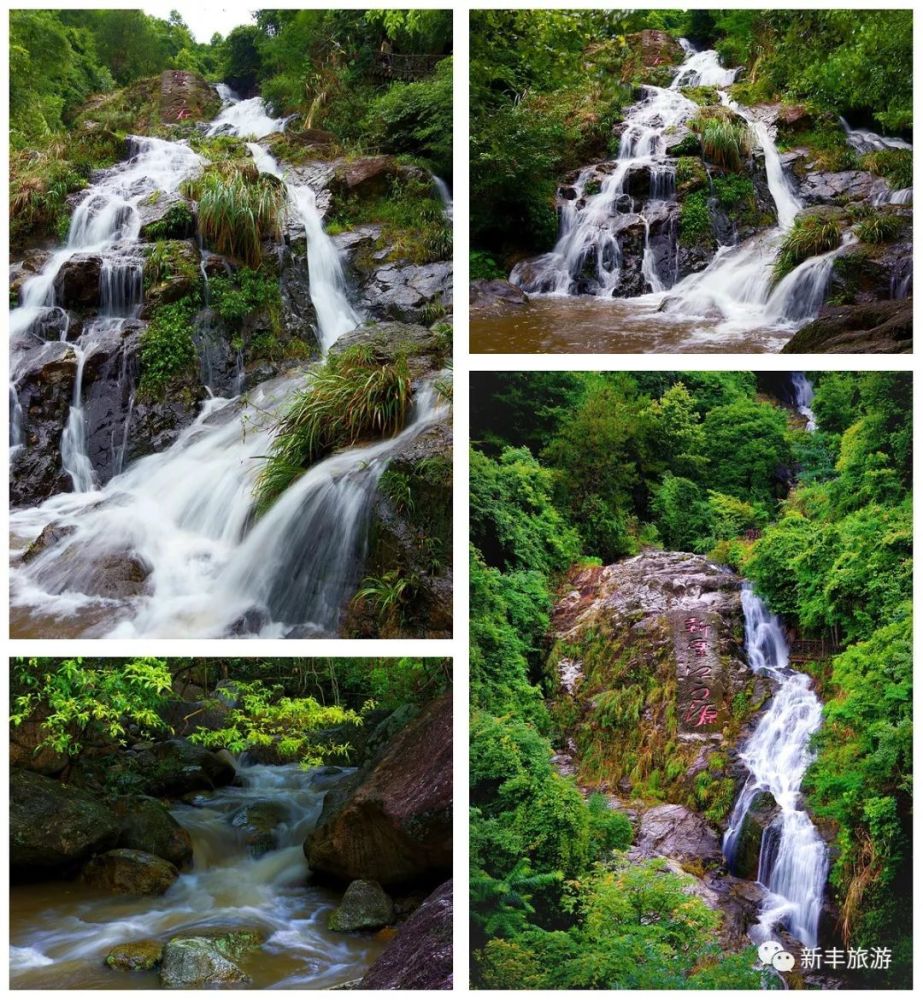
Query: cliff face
x=653, y=690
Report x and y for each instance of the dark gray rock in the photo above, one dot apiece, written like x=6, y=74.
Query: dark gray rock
x=407, y=292
x=495, y=293
x=872, y=328
x=675, y=832
x=365, y=906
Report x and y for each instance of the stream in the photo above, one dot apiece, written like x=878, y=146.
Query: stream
x=61, y=932
x=731, y=306
x=168, y=546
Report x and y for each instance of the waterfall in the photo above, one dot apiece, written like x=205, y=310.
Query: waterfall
x=445, y=196
x=228, y=887
x=793, y=858
x=865, y=141
x=735, y=293
x=185, y=514
x=803, y=392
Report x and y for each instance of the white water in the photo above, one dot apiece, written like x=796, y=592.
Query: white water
x=793, y=857
x=804, y=396
x=244, y=118
x=865, y=141
x=226, y=888
x=445, y=196
x=734, y=294
x=185, y=514
x=327, y=283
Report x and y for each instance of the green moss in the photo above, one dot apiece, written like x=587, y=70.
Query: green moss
x=412, y=220
x=701, y=95
x=167, y=348
x=695, y=220
x=177, y=223
x=690, y=146
x=690, y=175
x=170, y=258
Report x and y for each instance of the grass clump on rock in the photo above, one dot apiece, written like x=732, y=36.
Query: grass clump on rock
x=880, y=228
x=809, y=236
x=351, y=398
x=238, y=208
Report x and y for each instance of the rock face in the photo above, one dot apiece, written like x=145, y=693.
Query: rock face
x=139, y=956
x=676, y=832
x=407, y=292
x=365, y=906
x=495, y=293
x=395, y=824
x=185, y=96
x=366, y=177
x=196, y=963
x=130, y=873
x=147, y=826
x=869, y=328
x=54, y=827
x=420, y=957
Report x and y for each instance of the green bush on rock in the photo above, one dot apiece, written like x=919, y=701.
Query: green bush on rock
x=167, y=348
x=809, y=236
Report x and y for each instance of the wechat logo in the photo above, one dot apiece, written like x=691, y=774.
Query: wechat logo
x=772, y=953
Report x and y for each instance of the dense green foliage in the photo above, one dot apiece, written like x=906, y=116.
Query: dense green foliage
x=350, y=398
x=605, y=465
x=547, y=86
x=285, y=703
x=167, y=349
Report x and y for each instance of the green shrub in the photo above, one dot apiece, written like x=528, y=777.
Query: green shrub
x=809, y=236
x=734, y=191
x=895, y=165
x=483, y=266
x=352, y=397
x=881, y=228
x=725, y=143
x=167, y=348
x=238, y=295
x=238, y=208
x=695, y=219
x=177, y=224
x=701, y=95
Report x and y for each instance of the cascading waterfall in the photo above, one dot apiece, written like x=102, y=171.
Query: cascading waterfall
x=445, y=196
x=735, y=294
x=181, y=520
x=793, y=860
x=62, y=938
x=803, y=392
x=335, y=315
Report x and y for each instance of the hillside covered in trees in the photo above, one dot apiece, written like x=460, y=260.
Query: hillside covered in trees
x=231, y=271
x=195, y=823
x=666, y=567
x=739, y=175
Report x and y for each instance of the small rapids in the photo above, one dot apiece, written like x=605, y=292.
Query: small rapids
x=793, y=859
x=734, y=303
x=168, y=546
x=61, y=932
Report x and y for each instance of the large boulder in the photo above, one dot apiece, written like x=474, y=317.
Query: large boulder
x=424, y=349
x=884, y=327
x=365, y=177
x=76, y=285
x=819, y=187
x=420, y=956
x=396, y=825
x=673, y=831
x=746, y=860
x=25, y=744
x=656, y=48
x=54, y=827
x=407, y=292
x=195, y=963
x=147, y=826
x=166, y=216
x=186, y=97
x=495, y=293
x=180, y=767
x=130, y=873
x=365, y=906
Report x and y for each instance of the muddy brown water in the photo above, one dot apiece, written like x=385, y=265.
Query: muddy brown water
x=589, y=325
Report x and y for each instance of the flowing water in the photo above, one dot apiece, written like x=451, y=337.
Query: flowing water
x=793, y=858
x=803, y=392
x=178, y=525
x=61, y=932
x=732, y=305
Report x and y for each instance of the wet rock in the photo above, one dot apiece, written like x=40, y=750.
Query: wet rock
x=52, y=535
x=171, y=272
x=299, y=317
x=394, y=826
x=676, y=832
x=166, y=216
x=26, y=752
x=408, y=292
x=365, y=906
x=77, y=283
x=54, y=827
x=145, y=825
x=258, y=823
x=180, y=766
x=139, y=956
x=746, y=861
x=44, y=384
x=869, y=328
x=817, y=188
x=194, y=963
x=495, y=293
x=420, y=956
x=130, y=873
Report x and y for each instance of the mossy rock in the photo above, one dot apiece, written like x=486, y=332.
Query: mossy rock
x=365, y=906
x=139, y=956
x=690, y=176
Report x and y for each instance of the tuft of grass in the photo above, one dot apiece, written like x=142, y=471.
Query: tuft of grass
x=880, y=228
x=809, y=236
x=895, y=165
x=353, y=397
x=238, y=208
x=725, y=143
